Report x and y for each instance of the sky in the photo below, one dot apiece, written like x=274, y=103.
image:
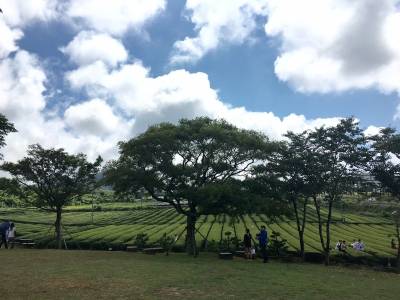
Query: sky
x=85, y=74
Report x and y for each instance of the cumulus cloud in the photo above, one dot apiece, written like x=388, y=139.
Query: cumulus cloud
x=8, y=39
x=121, y=98
x=372, y=130
x=336, y=45
x=175, y=95
x=88, y=47
x=90, y=127
x=217, y=23
x=18, y=14
x=114, y=17
x=93, y=117
x=324, y=46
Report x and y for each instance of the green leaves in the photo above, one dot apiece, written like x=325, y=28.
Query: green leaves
x=175, y=163
x=385, y=166
x=5, y=128
x=54, y=176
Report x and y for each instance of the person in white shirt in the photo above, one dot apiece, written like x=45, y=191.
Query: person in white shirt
x=360, y=245
x=339, y=245
x=11, y=235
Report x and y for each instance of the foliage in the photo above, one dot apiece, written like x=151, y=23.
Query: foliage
x=55, y=177
x=340, y=155
x=385, y=168
x=174, y=163
x=141, y=240
x=277, y=245
x=289, y=172
x=166, y=242
x=5, y=128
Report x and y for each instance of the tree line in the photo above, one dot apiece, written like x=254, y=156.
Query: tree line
x=205, y=166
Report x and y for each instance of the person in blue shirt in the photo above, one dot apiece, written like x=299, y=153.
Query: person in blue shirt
x=263, y=241
x=4, y=227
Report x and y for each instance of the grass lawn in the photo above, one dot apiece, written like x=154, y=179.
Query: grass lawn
x=52, y=274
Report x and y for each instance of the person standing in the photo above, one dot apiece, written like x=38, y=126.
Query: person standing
x=11, y=235
x=247, y=244
x=262, y=237
x=4, y=227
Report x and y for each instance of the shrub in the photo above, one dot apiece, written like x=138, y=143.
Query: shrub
x=141, y=240
x=166, y=242
x=277, y=245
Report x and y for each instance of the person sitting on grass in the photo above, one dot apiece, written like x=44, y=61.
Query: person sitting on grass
x=4, y=227
x=343, y=246
x=354, y=244
x=253, y=253
x=11, y=235
x=338, y=245
x=247, y=244
x=360, y=245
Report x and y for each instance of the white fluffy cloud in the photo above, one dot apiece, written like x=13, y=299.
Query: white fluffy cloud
x=217, y=23
x=90, y=127
x=325, y=46
x=178, y=94
x=8, y=39
x=93, y=117
x=16, y=15
x=114, y=17
x=320, y=50
x=337, y=45
x=88, y=47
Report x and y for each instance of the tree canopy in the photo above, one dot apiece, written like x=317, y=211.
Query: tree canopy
x=5, y=128
x=191, y=165
x=54, y=177
x=385, y=168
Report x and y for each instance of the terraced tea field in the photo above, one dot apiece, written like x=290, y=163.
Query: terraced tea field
x=118, y=225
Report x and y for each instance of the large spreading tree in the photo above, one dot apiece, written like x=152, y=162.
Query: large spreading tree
x=55, y=178
x=385, y=168
x=197, y=166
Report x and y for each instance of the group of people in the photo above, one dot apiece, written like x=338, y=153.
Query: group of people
x=356, y=245
x=249, y=247
x=8, y=232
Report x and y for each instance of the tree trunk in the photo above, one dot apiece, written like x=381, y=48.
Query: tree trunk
x=58, y=228
x=303, y=227
x=299, y=227
x=398, y=246
x=191, y=248
x=321, y=235
x=328, y=233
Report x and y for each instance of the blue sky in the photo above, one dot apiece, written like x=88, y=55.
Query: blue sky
x=182, y=58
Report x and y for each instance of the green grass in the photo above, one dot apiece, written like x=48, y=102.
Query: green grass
x=120, y=226
x=52, y=274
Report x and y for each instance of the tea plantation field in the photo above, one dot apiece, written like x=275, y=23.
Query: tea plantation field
x=119, y=223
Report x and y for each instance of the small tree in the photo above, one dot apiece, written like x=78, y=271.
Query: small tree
x=5, y=128
x=289, y=171
x=55, y=177
x=277, y=245
x=340, y=155
x=385, y=168
x=177, y=163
